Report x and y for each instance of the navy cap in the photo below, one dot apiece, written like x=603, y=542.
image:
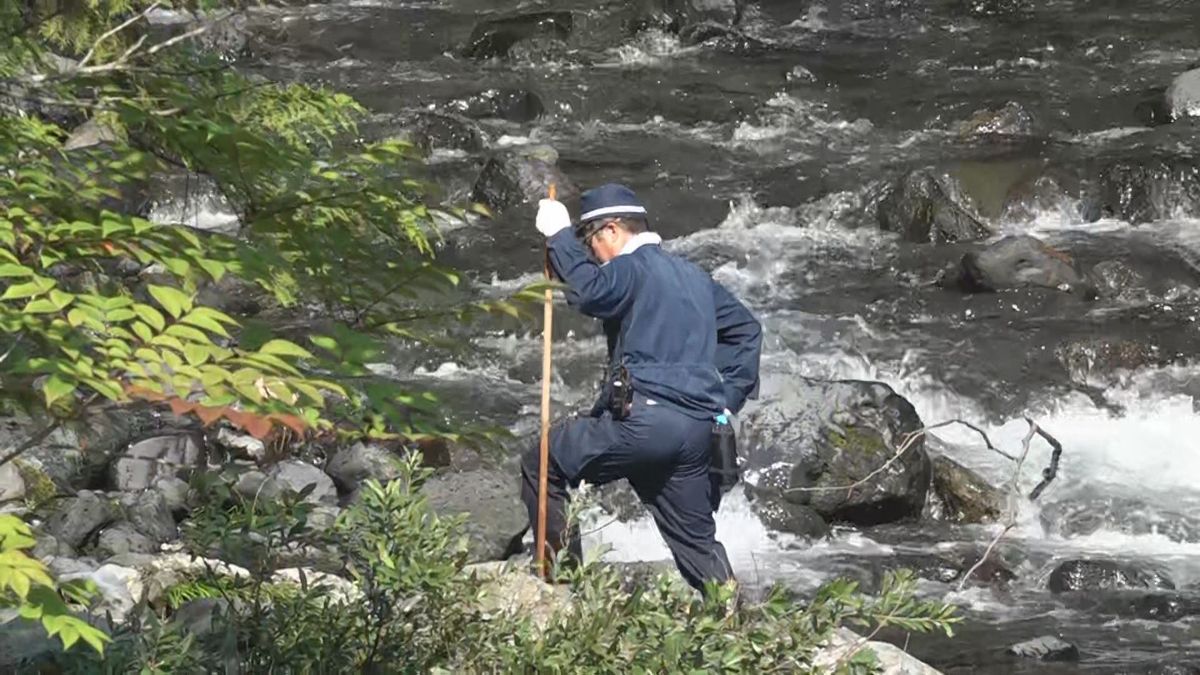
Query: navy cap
x=608, y=201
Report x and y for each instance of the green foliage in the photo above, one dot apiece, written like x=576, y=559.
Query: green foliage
x=26, y=585
x=412, y=607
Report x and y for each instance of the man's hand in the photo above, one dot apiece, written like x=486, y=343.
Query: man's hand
x=552, y=217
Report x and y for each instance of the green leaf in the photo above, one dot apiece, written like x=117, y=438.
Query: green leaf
x=175, y=301
x=151, y=316
x=285, y=348
x=55, y=388
x=15, y=270
x=28, y=289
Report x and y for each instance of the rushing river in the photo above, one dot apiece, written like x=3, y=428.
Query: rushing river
x=760, y=158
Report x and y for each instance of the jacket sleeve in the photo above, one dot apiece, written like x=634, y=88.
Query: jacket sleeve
x=598, y=291
x=739, y=346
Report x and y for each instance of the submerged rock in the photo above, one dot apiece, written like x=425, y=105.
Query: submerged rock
x=844, y=432
x=429, y=131
x=1142, y=190
x=521, y=176
x=1047, y=648
x=1104, y=575
x=1183, y=96
x=1010, y=120
x=1015, y=262
x=676, y=16
x=924, y=209
x=959, y=495
x=514, y=105
x=497, y=37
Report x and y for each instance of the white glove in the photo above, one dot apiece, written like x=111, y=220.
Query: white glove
x=552, y=217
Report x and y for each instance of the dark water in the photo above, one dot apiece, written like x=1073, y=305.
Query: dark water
x=769, y=180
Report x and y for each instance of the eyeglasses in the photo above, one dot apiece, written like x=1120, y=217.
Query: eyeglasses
x=587, y=241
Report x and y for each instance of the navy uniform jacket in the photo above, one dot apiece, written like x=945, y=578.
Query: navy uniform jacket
x=684, y=338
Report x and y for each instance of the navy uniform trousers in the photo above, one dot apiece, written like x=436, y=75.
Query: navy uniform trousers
x=665, y=456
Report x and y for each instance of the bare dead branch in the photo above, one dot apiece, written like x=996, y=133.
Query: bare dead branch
x=1051, y=471
x=905, y=446
x=1013, y=505
x=129, y=22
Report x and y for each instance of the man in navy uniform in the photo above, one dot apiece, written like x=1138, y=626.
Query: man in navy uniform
x=690, y=352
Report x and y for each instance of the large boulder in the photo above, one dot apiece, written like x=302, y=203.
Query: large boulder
x=176, y=455
x=490, y=500
x=1018, y=261
x=496, y=38
x=150, y=514
x=960, y=495
x=123, y=539
x=1183, y=96
x=1104, y=575
x=817, y=439
x=349, y=467
x=78, y=518
x=294, y=475
x=924, y=208
x=78, y=454
x=521, y=176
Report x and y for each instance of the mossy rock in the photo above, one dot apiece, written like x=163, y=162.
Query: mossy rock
x=40, y=489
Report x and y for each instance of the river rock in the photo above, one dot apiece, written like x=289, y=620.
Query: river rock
x=1113, y=279
x=1104, y=575
x=496, y=517
x=429, y=131
x=241, y=446
x=1103, y=361
x=782, y=515
x=1047, y=648
x=295, y=475
x=78, y=518
x=349, y=467
x=122, y=539
x=514, y=105
x=509, y=589
x=840, y=433
x=891, y=660
x=962, y=496
x=150, y=515
x=521, y=176
x=1018, y=261
x=1010, y=120
x=676, y=16
x=147, y=460
x=1142, y=190
x=924, y=208
x=175, y=493
x=12, y=485
x=1183, y=96
x=89, y=134
x=497, y=37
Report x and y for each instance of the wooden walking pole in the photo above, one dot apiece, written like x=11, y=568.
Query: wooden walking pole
x=544, y=459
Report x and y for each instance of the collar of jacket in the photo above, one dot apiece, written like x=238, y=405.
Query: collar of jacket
x=639, y=240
